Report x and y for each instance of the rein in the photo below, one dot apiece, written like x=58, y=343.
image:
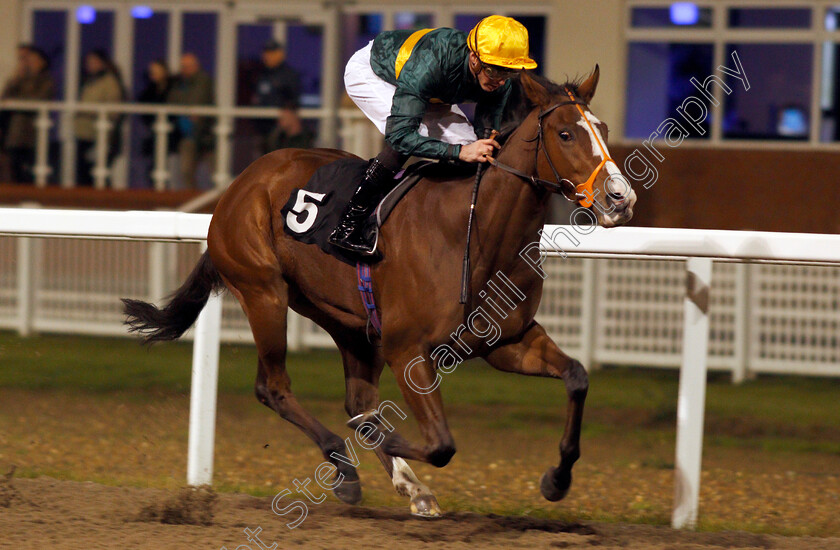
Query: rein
x=582, y=192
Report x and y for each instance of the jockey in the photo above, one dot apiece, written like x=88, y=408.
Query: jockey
x=409, y=84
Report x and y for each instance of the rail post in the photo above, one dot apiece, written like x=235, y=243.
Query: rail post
x=588, y=315
x=157, y=270
x=743, y=330
x=161, y=128
x=25, y=284
x=203, y=389
x=692, y=393
x=223, y=130
x=28, y=280
x=42, y=169
x=101, y=170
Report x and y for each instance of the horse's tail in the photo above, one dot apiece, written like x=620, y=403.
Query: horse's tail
x=170, y=322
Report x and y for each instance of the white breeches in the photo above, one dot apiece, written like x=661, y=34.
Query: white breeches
x=374, y=97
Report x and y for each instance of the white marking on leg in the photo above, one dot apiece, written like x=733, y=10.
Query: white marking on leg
x=405, y=482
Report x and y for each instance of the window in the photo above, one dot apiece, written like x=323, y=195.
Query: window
x=777, y=104
x=150, y=44
x=659, y=80
x=358, y=30
x=466, y=21
x=97, y=34
x=782, y=50
x=679, y=14
x=406, y=20
x=199, y=38
x=770, y=18
x=49, y=33
x=830, y=80
x=305, y=55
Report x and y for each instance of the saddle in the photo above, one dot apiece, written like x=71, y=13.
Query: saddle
x=313, y=211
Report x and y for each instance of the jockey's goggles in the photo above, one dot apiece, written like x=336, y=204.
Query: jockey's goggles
x=499, y=73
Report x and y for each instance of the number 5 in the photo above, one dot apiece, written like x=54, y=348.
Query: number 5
x=310, y=209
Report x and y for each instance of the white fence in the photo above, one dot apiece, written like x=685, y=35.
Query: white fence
x=764, y=318
x=795, y=317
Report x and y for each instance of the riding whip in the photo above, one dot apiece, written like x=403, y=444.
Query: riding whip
x=465, y=272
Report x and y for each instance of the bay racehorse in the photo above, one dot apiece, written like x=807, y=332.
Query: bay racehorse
x=555, y=140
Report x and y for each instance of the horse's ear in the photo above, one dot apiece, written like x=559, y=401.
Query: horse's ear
x=586, y=91
x=534, y=91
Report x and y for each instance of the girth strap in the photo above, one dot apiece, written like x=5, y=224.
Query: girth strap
x=365, y=280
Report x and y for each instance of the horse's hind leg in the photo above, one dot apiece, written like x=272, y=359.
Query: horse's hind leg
x=362, y=367
x=266, y=307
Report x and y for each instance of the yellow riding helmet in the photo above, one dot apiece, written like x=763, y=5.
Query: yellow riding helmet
x=502, y=41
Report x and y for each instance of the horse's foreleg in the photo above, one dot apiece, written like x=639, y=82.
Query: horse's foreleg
x=535, y=354
x=361, y=371
x=418, y=384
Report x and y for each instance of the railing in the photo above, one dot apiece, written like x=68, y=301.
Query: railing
x=764, y=318
x=356, y=134
x=612, y=279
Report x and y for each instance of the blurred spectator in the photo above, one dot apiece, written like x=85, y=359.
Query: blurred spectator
x=102, y=84
x=193, y=135
x=158, y=86
x=31, y=80
x=290, y=132
x=278, y=85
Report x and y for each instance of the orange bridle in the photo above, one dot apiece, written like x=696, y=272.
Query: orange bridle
x=585, y=188
x=581, y=193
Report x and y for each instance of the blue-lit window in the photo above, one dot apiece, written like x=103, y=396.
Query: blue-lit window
x=466, y=21
x=150, y=44
x=358, y=30
x=98, y=34
x=778, y=101
x=305, y=54
x=49, y=33
x=770, y=18
x=679, y=14
x=659, y=82
x=407, y=20
x=199, y=38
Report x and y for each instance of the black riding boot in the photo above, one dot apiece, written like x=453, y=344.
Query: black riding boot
x=349, y=233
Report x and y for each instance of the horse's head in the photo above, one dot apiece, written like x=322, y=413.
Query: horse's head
x=571, y=148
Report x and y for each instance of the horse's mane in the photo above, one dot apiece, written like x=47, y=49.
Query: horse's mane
x=518, y=105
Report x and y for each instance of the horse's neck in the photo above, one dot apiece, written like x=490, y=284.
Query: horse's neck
x=510, y=210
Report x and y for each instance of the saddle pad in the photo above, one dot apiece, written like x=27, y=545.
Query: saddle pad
x=312, y=212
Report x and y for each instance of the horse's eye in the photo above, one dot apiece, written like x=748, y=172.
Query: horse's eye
x=566, y=135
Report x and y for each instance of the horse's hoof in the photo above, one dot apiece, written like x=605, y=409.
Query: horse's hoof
x=349, y=492
x=552, y=488
x=425, y=506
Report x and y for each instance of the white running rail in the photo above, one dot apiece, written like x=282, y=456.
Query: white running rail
x=698, y=247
